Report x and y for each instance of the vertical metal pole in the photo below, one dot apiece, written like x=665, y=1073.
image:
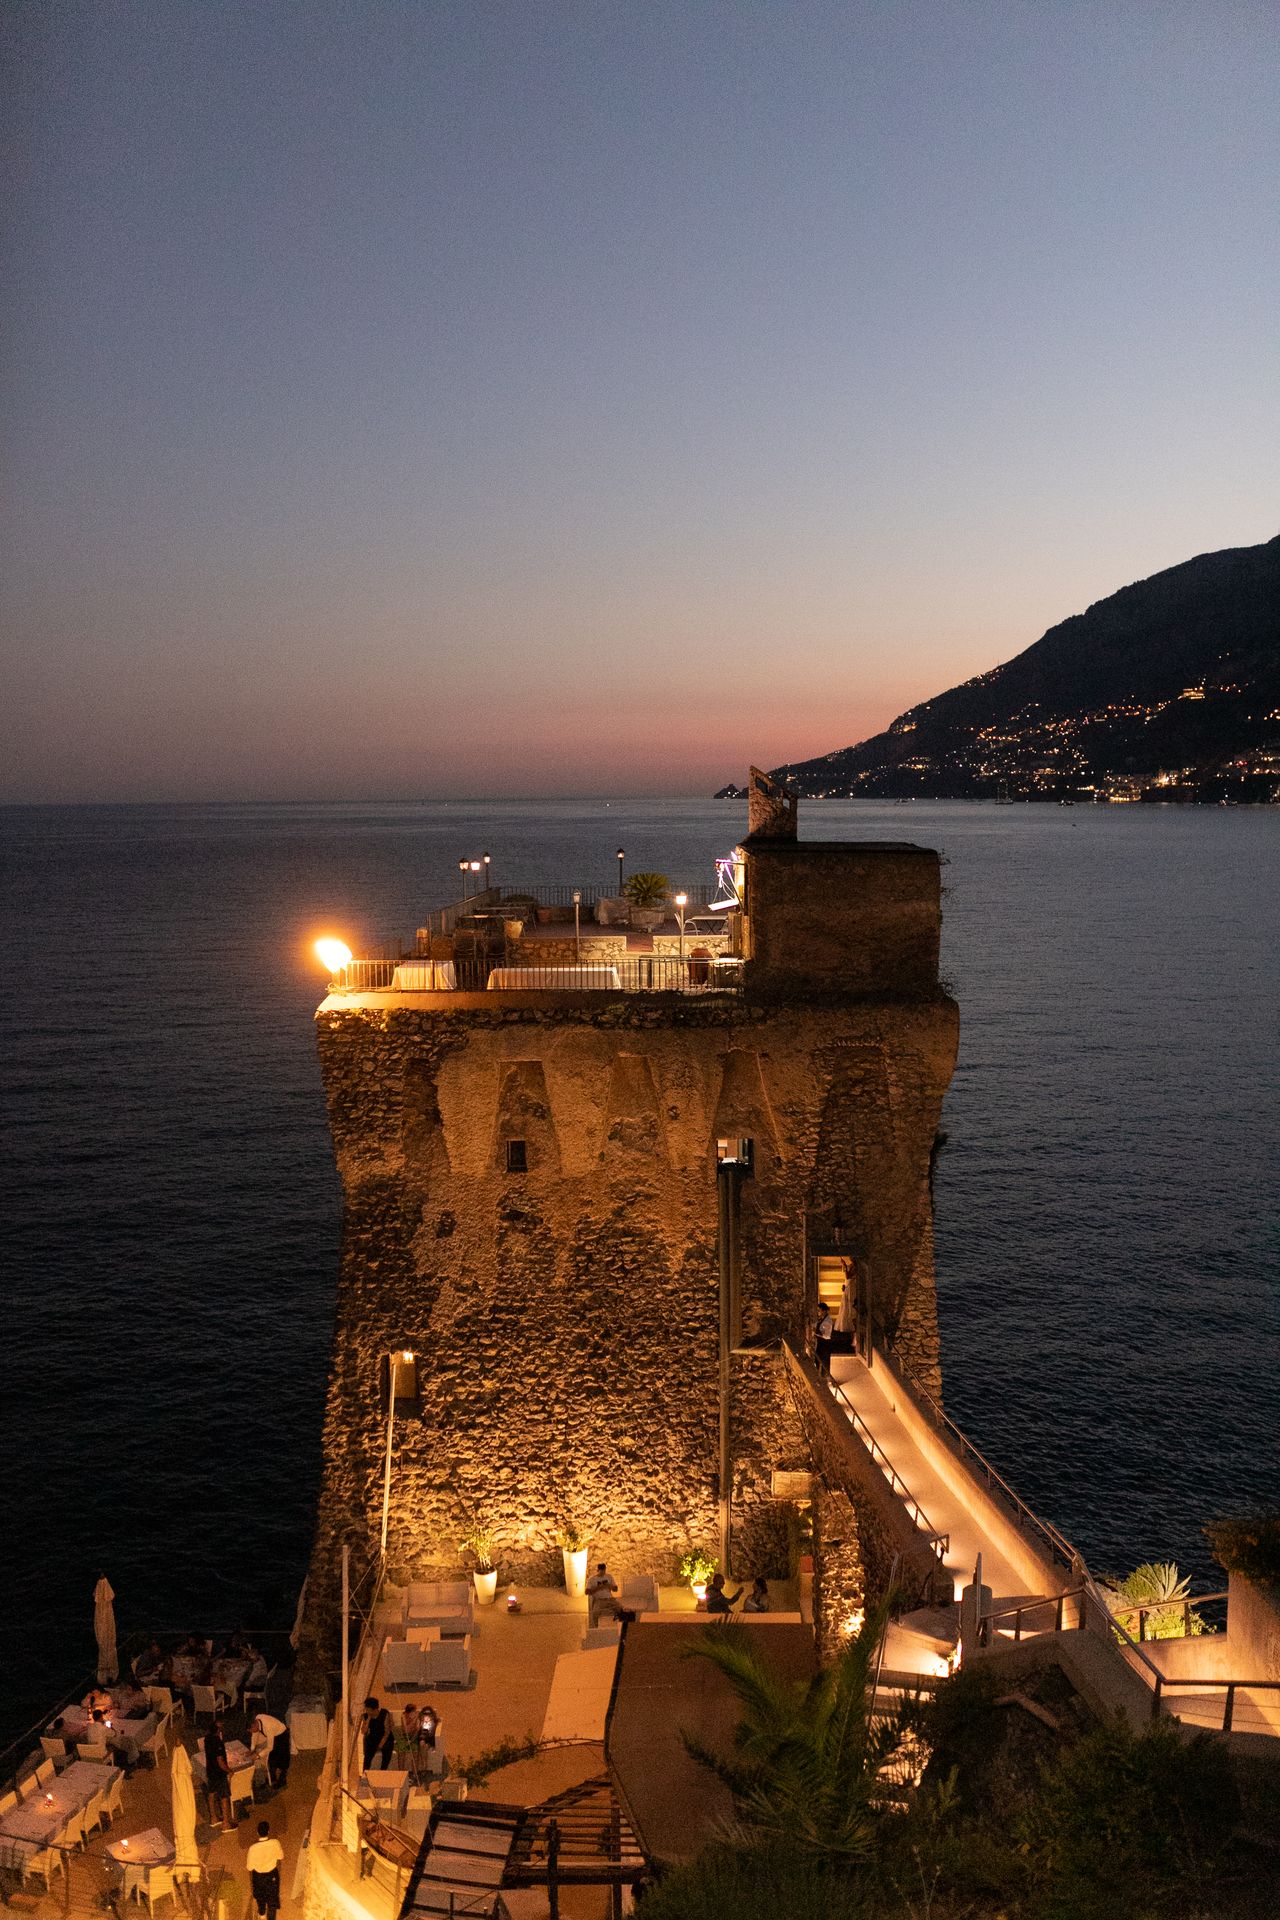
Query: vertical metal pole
x=386, y=1474
x=725, y=1196
x=346, y=1672
x=553, y=1868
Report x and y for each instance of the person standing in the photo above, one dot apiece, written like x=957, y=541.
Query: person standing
x=379, y=1734
x=264, y=1860
x=824, y=1333
x=217, y=1771
x=270, y=1737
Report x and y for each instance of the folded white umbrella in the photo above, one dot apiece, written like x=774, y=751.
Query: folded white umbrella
x=185, y=1852
x=104, y=1627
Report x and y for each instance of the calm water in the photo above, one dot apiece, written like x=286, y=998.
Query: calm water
x=1108, y=1202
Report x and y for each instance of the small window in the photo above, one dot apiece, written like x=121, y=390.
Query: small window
x=517, y=1157
x=738, y=1152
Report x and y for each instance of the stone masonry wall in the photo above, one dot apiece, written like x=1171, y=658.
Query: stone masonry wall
x=565, y=1318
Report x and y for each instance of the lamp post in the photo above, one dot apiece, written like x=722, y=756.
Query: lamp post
x=405, y=1358
x=486, y=861
x=622, y=854
x=464, y=868
x=682, y=901
x=577, y=924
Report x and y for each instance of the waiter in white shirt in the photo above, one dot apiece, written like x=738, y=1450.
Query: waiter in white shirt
x=270, y=1738
x=264, y=1860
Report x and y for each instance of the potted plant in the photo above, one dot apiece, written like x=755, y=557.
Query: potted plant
x=573, y=1542
x=479, y=1544
x=697, y=1568
x=647, y=894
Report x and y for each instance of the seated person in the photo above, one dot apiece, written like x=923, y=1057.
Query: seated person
x=429, y=1721
x=757, y=1601
x=257, y=1674
x=601, y=1589
x=148, y=1664
x=98, y=1701
x=718, y=1601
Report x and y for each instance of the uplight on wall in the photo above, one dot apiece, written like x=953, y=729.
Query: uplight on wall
x=334, y=954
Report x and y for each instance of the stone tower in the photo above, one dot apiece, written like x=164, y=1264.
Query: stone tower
x=592, y=1217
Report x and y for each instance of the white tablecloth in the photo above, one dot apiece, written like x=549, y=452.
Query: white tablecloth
x=308, y=1723
x=556, y=979
x=133, y=1856
x=424, y=976
x=37, y=1821
x=127, y=1736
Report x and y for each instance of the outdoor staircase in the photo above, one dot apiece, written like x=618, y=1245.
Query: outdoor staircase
x=464, y=1857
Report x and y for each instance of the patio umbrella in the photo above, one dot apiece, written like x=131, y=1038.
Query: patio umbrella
x=185, y=1853
x=104, y=1627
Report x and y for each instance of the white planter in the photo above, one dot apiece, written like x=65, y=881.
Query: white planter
x=486, y=1585
x=575, y=1571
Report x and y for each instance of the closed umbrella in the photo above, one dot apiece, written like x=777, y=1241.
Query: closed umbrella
x=185, y=1853
x=104, y=1626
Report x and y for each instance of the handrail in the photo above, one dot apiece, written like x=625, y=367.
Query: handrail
x=940, y=1541
x=1187, y=1605
x=1062, y=1547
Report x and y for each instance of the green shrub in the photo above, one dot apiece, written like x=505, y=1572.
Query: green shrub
x=764, y=1883
x=647, y=889
x=1248, y=1543
x=1150, y=1585
x=1123, y=1821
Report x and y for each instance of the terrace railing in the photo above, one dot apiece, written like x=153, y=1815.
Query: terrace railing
x=638, y=973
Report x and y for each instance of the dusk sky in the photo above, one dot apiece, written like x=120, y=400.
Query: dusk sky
x=425, y=399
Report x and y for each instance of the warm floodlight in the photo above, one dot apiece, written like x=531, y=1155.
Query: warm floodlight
x=334, y=953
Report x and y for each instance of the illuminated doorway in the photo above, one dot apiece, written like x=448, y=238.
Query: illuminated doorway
x=841, y=1293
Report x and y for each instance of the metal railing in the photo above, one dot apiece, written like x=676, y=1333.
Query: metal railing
x=639, y=973
x=442, y=920
x=1060, y=1548
x=1192, y=1604
x=1229, y=1690
x=940, y=1541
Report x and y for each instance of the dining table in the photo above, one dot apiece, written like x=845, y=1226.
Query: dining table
x=132, y=1857
x=238, y=1755
x=127, y=1735
x=40, y=1820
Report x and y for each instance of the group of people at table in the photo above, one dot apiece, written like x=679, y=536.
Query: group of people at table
x=411, y=1735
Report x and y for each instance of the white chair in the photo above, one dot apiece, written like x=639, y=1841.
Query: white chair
x=158, y=1883
x=448, y=1663
x=447, y=1604
x=73, y=1835
x=205, y=1700
x=113, y=1798
x=92, y=1750
x=55, y=1749
x=158, y=1742
x=45, y=1771
x=163, y=1700
x=44, y=1864
x=241, y=1784
x=94, y=1819
x=404, y=1665
x=258, y=1693
x=639, y=1593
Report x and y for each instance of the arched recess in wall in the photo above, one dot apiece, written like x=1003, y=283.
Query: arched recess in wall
x=635, y=1132
x=524, y=1138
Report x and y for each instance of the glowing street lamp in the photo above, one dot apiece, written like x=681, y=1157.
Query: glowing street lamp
x=487, y=862
x=577, y=923
x=682, y=901
x=622, y=854
x=334, y=954
x=464, y=868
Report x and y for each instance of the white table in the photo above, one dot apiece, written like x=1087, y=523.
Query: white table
x=424, y=976
x=308, y=1723
x=555, y=979
x=39, y=1820
x=127, y=1736
x=135, y=1855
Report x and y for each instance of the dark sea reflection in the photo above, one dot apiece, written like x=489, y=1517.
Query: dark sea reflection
x=1108, y=1204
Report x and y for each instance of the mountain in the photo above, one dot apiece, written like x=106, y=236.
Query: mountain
x=1169, y=689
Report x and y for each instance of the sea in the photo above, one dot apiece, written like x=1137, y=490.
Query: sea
x=1107, y=1198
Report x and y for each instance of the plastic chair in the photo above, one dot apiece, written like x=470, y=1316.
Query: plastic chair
x=159, y=1741
x=93, y=1817
x=158, y=1883
x=45, y=1771
x=163, y=1700
x=205, y=1700
x=258, y=1693
x=46, y=1864
x=55, y=1749
x=7, y=1801
x=241, y=1784
x=95, y=1750
x=114, y=1796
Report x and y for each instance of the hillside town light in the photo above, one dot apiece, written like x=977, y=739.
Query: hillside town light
x=334, y=954
x=577, y=923
x=682, y=901
x=404, y=1358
